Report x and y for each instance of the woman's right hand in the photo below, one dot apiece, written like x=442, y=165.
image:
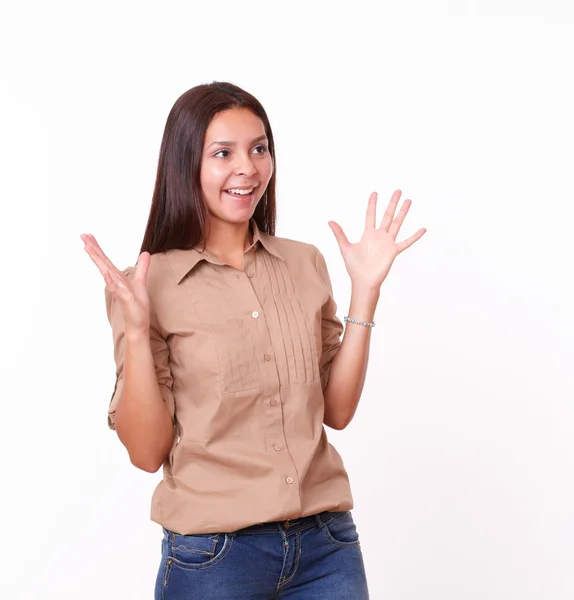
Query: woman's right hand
x=130, y=292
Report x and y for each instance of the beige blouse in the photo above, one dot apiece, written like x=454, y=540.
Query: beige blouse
x=242, y=359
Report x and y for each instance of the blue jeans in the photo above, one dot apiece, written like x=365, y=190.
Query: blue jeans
x=311, y=558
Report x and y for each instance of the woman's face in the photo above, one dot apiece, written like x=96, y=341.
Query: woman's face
x=235, y=156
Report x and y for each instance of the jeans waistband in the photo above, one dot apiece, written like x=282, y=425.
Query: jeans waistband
x=290, y=525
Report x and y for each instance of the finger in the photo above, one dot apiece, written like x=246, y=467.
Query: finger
x=339, y=234
x=398, y=220
x=117, y=286
x=96, y=257
x=110, y=282
x=89, y=239
x=371, y=218
x=390, y=212
x=110, y=274
x=142, y=267
x=410, y=241
x=92, y=243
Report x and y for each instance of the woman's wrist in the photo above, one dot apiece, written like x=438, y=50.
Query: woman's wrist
x=364, y=301
x=135, y=335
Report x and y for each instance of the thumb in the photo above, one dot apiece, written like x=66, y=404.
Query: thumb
x=339, y=234
x=142, y=267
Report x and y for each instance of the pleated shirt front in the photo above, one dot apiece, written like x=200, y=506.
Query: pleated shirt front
x=242, y=359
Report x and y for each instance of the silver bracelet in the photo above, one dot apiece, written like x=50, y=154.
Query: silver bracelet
x=364, y=323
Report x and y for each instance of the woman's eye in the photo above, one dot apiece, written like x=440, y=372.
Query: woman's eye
x=261, y=147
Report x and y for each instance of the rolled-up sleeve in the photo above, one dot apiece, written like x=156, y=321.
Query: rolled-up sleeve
x=159, y=350
x=331, y=325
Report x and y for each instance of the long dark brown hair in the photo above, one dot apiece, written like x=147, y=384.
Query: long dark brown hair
x=178, y=214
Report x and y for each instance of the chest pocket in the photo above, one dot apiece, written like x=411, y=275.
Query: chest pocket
x=223, y=309
x=235, y=342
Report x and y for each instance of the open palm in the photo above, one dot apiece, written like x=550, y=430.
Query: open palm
x=368, y=261
x=131, y=291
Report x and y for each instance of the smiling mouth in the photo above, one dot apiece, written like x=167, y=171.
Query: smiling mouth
x=240, y=193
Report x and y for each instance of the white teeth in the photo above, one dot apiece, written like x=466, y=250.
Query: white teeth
x=241, y=192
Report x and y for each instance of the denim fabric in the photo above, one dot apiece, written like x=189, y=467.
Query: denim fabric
x=312, y=558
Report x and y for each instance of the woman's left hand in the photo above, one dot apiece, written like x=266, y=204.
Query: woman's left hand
x=369, y=261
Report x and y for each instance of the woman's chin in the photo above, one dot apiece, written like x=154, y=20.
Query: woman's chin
x=235, y=217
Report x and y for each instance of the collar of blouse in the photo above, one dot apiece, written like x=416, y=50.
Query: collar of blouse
x=183, y=261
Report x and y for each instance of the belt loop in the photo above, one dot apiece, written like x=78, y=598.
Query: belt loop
x=318, y=519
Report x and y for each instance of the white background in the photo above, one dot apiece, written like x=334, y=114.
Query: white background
x=461, y=455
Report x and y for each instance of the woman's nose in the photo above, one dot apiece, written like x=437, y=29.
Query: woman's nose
x=245, y=166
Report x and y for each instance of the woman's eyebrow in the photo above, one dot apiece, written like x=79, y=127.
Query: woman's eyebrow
x=224, y=143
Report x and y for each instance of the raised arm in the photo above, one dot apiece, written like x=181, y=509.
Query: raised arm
x=142, y=407
x=368, y=263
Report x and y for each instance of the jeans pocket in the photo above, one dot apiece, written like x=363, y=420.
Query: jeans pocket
x=198, y=550
x=340, y=530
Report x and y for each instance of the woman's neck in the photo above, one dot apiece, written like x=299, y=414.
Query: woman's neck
x=228, y=240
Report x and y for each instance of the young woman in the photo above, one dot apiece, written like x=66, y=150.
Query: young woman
x=230, y=361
